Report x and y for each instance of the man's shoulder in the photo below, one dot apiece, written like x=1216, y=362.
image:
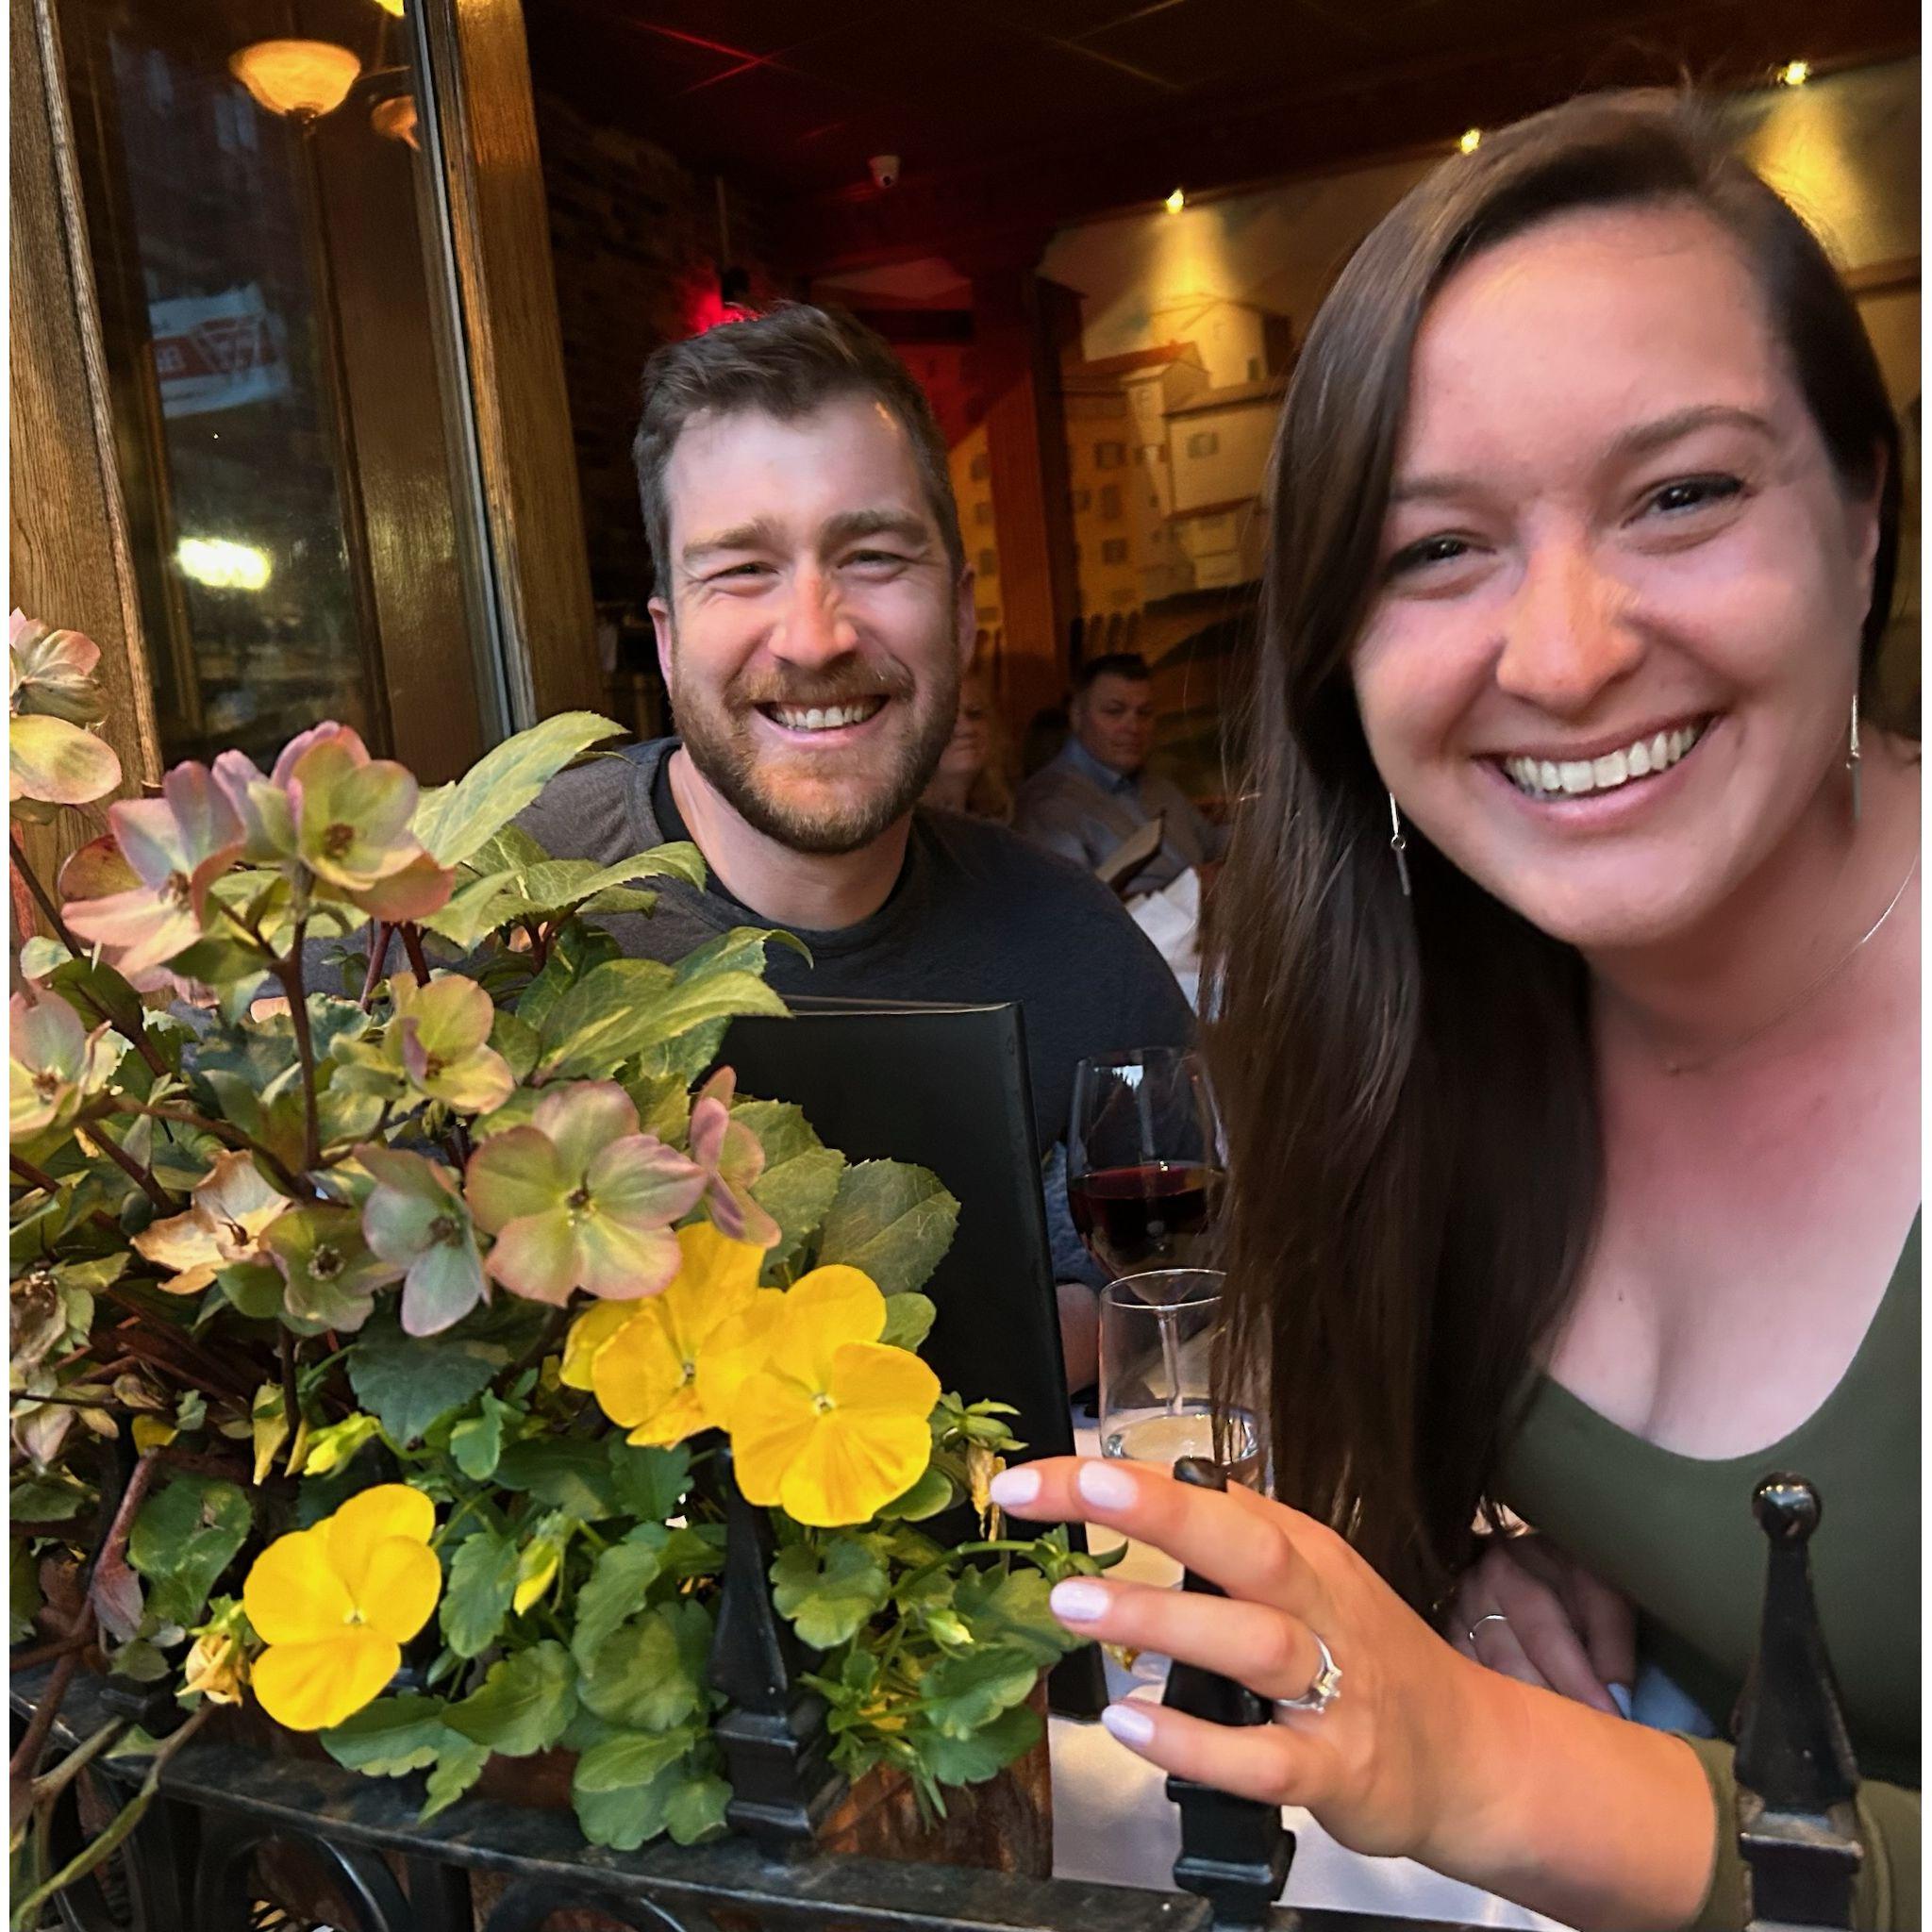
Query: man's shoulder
x=598, y=809
x=991, y=855
x=1056, y=786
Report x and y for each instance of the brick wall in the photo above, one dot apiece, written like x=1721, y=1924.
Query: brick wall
x=635, y=239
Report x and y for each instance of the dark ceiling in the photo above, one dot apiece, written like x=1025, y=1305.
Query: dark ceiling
x=1014, y=115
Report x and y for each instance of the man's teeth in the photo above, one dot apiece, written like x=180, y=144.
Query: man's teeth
x=1574, y=778
x=824, y=718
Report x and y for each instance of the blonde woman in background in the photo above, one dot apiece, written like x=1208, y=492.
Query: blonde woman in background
x=972, y=776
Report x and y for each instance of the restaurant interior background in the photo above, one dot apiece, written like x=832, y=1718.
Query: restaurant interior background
x=328, y=314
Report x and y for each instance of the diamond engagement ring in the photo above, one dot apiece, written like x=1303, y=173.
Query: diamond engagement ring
x=1323, y=1692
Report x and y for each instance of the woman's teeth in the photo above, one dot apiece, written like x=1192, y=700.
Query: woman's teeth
x=822, y=717
x=1576, y=777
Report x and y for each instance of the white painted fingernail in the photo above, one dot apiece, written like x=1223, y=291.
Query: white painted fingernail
x=1103, y=1484
x=1131, y=1727
x=1077, y=1600
x=1013, y=1487
x=1619, y=1696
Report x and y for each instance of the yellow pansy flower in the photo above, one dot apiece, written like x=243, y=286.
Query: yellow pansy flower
x=336, y=1603
x=826, y=1422
x=643, y=1368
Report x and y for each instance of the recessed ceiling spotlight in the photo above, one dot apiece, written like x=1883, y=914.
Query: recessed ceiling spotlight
x=1794, y=73
x=1176, y=202
x=1472, y=140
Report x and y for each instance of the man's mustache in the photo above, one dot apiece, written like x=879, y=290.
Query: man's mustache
x=851, y=686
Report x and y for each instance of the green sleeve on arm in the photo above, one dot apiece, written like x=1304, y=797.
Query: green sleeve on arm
x=1886, y=1898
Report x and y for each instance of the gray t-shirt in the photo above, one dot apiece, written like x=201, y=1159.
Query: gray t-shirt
x=977, y=917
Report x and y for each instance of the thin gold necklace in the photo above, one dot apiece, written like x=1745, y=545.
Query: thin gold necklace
x=1804, y=998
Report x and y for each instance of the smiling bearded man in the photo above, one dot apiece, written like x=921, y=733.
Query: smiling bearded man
x=814, y=615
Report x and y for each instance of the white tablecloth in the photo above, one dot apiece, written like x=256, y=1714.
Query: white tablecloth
x=1113, y=1823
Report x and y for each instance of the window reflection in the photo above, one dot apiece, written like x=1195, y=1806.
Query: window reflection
x=278, y=359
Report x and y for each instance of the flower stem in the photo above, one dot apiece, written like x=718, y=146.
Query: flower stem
x=291, y=1401
x=380, y=934
x=412, y=945
x=288, y=971
x=27, y=1758
x=49, y=911
x=222, y=1130
x=141, y=1176
x=111, y=1840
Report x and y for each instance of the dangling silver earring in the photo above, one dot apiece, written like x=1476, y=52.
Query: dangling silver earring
x=1854, y=759
x=1398, y=844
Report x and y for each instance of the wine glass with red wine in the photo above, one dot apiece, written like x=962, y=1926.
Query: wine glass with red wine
x=1143, y=1160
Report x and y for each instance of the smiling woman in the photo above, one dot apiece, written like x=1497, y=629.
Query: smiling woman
x=1574, y=1143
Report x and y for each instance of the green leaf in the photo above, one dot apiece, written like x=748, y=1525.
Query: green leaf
x=641, y=1674
x=628, y=1758
x=625, y=1006
x=932, y=1492
x=740, y=949
x=801, y=1176
x=472, y=909
x=455, y=821
x=252, y=1289
x=482, y=1580
x=458, y=1767
x=50, y=1501
x=597, y=1021
x=908, y=1320
x=563, y=1473
x=476, y=1441
x=827, y=1592
x=525, y=1705
x=971, y=1688
x=695, y=1807
x=622, y=1820
x=650, y=1482
x=1009, y=1610
x=892, y=1221
x=613, y=1591
x=186, y=1534
x=407, y=1382
x=391, y=1737
x=23, y=1592
x=516, y=1041
x=988, y=1751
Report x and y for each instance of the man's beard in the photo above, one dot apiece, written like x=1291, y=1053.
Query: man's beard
x=718, y=737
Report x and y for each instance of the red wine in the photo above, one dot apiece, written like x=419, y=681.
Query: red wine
x=1155, y=1216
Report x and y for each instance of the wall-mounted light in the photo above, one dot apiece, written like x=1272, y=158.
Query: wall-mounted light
x=1794, y=73
x=395, y=6
x=1472, y=140
x=303, y=79
x=1176, y=202
x=222, y=565
x=396, y=120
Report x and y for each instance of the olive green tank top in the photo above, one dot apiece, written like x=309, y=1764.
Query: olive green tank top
x=1676, y=1533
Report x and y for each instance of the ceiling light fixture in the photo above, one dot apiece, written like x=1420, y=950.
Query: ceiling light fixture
x=303, y=79
x=1794, y=73
x=1472, y=140
x=1176, y=202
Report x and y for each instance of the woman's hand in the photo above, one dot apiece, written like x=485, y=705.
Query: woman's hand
x=1421, y=1752
x=1550, y=1622
x=1387, y=1767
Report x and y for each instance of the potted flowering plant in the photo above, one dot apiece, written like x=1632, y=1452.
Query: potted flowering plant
x=375, y=1336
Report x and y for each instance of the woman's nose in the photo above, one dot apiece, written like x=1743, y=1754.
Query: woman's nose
x=1568, y=633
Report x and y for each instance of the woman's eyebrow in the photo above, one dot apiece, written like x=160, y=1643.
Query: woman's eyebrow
x=1640, y=440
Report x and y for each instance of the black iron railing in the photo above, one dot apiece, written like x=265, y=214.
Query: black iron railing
x=241, y=1841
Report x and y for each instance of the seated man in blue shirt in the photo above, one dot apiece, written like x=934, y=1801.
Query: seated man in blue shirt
x=1095, y=794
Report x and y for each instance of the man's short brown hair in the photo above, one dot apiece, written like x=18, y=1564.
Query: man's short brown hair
x=789, y=361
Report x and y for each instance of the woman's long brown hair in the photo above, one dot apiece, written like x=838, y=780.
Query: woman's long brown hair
x=1406, y=1084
